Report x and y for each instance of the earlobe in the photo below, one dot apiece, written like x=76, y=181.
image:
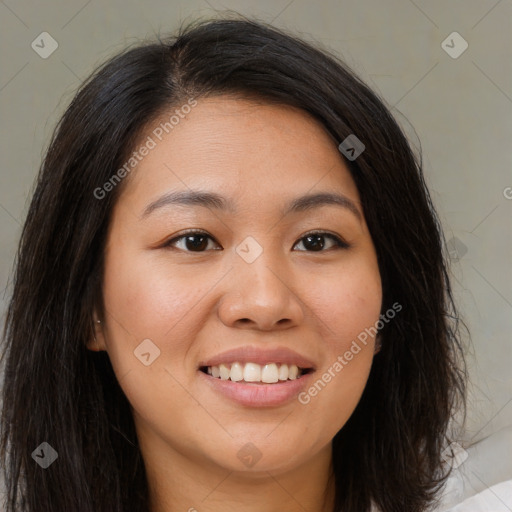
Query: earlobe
x=378, y=344
x=97, y=344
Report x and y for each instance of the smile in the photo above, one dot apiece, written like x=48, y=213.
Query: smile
x=269, y=373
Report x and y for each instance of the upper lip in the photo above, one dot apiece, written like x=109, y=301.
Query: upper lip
x=249, y=354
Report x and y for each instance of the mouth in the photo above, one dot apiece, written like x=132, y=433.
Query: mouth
x=248, y=388
x=254, y=373
x=253, y=376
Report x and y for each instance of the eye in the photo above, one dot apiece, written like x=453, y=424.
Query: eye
x=192, y=241
x=199, y=241
x=316, y=242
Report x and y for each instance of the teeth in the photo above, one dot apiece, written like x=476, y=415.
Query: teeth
x=236, y=373
x=269, y=373
x=253, y=372
x=224, y=372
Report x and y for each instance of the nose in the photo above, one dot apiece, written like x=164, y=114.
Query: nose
x=260, y=297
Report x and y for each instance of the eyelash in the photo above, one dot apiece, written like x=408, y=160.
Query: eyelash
x=339, y=242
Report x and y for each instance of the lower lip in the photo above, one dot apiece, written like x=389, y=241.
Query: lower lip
x=258, y=395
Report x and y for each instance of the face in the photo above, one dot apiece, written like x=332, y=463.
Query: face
x=238, y=252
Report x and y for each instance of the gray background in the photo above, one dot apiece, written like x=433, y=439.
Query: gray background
x=459, y=108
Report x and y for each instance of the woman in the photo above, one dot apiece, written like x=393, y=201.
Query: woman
x=230, y=293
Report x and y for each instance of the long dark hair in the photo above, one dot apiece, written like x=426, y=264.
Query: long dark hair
x=57, y=391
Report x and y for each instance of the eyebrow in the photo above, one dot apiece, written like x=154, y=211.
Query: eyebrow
x=218, y=202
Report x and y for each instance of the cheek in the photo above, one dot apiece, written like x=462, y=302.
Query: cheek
x=336, y=391
x=347, y=306
x=147, y=298
x=143, y=300
x=347, y=301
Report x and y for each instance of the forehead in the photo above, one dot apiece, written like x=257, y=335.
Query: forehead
x=247, y=150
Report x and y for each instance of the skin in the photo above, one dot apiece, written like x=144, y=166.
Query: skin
x=194, y=305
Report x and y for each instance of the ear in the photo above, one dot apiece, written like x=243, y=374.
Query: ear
x=97, y=343
x=378, y=344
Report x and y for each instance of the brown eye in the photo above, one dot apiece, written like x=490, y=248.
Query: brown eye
x=317, y=242
x=195, y=241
